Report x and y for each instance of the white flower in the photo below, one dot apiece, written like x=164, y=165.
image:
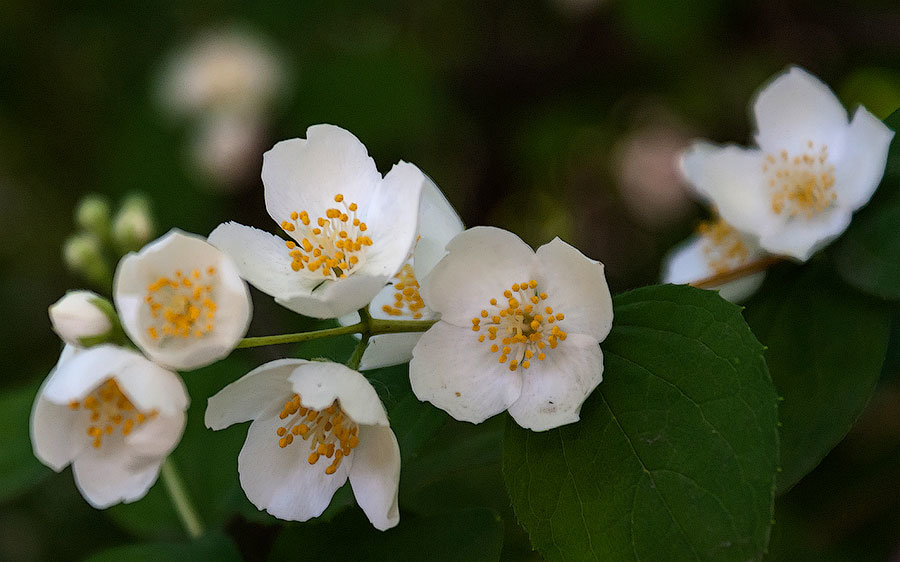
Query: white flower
x=223, y=70
x=78, y=317
x=812, y=170
x=350, y=229
x=715, y=248
x=182, y=301
x=315, y=425
x=113, y=415
x=400, y=299
x=519, y=330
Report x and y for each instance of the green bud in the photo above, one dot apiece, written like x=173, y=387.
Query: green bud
x=83, y=255
x=93, y=215
x=133, y=226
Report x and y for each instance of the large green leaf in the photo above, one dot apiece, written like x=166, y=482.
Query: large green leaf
x=868, y=255
x=214, y=546
x=473, y=535
x=675, y=454
x=19, y=469
x=826, y=344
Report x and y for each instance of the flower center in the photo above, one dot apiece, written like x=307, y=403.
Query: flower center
x=181, y=305
x=407, y=295
x=110, y=409
x=334, y=245
x=800, y=185
x=524, y=329
x=723, y=246
x=330, y=432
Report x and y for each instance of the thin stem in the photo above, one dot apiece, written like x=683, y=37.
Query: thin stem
x=178, y=494
x=302, y=336
x=750, y=268
x=358, y=351
x=399, y=326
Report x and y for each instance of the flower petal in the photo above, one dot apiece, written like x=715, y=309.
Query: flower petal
x=392, y=218
x=576, y=286
x=262, y=259
x=320, y=383
x=732, y=179
x=459, y=375
x=800, y=237
x=332, y=299
x=859, y=169
x=157, y=437
x=482, y=263
x=109, y=476
x=389, y=349
x=306, y=174
x=54, y=433
x=687, y=263
x=794, y=108
x=554, y=389
x=438, y=225
x=281, y=481
x=250, y=395
x=375, y=476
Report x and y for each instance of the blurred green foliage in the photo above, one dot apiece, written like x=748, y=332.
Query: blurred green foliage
x=517, y=110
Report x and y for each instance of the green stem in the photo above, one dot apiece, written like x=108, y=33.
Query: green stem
x=178, y=494
x=358, y=351
x=373, y=327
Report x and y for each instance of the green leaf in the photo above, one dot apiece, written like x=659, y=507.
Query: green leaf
x=19, y=469
x=826, y=347
x=675, y=454
x=473, y=535
x=868, y=255
x=213, y=546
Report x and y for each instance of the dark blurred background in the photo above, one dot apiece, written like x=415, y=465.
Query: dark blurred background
x=552, y=117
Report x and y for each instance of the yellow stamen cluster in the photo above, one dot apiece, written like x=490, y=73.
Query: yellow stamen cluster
x=524, y=328
x=723, y=247
x=331, y=433
x=110, y=409
x=407, y=295
x=800, y=185
x=182, y=305
x=333, y=244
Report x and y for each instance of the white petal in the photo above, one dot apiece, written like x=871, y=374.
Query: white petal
x=281, y=481
x=319, y=383
x=389, y=349
x=185, y=252
x=860, y=167
x=306, y=174
x=687, y=263
x=731, y=178
x=461, y=376
x=392, y=218
x=554, y=389
x=332, y=299
x=576, y=286
x=109, y=476
x=482, y=263
x=76, y=316
x=147, y=385
x=55, y=436
x=800, y=237
x=157, y=437
x=438, y=224
x=250, y=395
x=262, y=259
x=794, y=108
x=375, y=476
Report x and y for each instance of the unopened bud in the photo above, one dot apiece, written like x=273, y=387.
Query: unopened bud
x=133, y=226
x=83, y=255
x=93, y=215
x=82, y=318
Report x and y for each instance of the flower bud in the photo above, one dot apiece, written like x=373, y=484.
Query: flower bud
x=133, y=226
x=93, y=215
x=82, y=318
x=83, y=255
